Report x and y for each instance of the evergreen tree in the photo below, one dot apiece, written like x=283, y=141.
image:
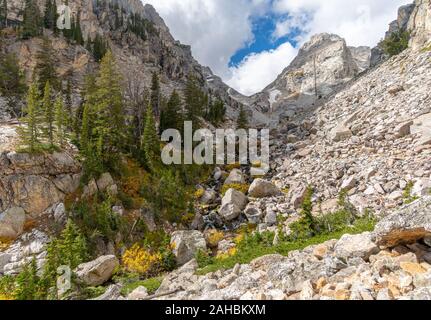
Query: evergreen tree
x=155, y=94
x=12, y=81
x=85, y=130
x=60, y=122
x=45, y=70
x=104, y=107
x=68, y=105
x=49, y=114
x=88, y=44
x=77, y=32
x=30, y=131
x=216, y=112
x=3, y=14
x=27, y=283
x=99, y=48
x=69, y=249
x=307, y=210
x=242, y=121
x=32, y=21
x=195, y=100
x=150, y=141
x=170, y=117
x=50, y=15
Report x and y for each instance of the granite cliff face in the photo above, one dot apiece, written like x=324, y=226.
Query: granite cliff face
x=137, y=57
x=323, y=64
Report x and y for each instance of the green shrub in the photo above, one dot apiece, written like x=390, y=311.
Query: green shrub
x=407, y=194
x=203, y=258
x=396, y=43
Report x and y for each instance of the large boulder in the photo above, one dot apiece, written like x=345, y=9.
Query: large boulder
x=12, y=223
x=356, y=246
x=235, y=177
x=298, y=193
x=186, y=243
x=261, y=189
x=406, y=225
x=233, y=203
x=97, y=272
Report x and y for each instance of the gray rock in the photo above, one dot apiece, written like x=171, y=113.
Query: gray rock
x=97, y=272
x=235, y=176
x=261, y=189
x=186, y=244
x=233, y=203
x=356, y=246
x=140, y=293
x=253, y=213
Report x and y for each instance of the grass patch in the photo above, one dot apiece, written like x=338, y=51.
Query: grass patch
x=257, y=245
x=407, y=195
x=152, y=284
x=237, y=186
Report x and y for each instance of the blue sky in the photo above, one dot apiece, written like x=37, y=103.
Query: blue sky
x=263, y=29
x=249, y=42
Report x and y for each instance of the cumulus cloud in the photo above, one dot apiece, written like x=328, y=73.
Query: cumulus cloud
x=360, y=22
x=258, y=70
x=217, y=29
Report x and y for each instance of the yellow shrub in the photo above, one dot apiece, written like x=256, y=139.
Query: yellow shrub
x=199, y=193
x=237, y=186
x=140, y=260
x=226, y=255
x=5, y=297
x=239, y=238
x=214, y=237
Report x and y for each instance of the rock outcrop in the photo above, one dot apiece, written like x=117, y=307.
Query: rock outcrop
x=36, y=182
x=97, y=272
x=322, y=65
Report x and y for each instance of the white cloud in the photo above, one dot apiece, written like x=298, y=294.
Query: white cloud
x=217, y=29
x=360, y=22
x=258, y=70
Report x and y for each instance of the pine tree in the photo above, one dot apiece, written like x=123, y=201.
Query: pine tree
x=12, y=81
x=50, y=15
x=68, y=105
x=195, y=100
x=307, y=211
x=170, y=117
x=85, y=130
x=27, y=283
x=3, y=14
x=155, y=94
x=49, y=115
x=45, y=70
x=104, y=107
x=77, y=35
x=99, y=48
x=60, y=122
x=242, y=121
x=150, y=141
x=32, y=21
x=30, y=131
